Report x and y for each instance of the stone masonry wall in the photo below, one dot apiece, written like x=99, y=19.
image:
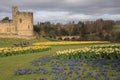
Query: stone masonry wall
x=25, y=23
x=21, y=24
x=7, y=27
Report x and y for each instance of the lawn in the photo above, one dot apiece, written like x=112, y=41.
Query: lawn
x=9, y=64
x=11, y=41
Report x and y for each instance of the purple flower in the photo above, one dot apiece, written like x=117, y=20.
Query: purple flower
x=117, y=78
x=89, y=73
x=76, y=78
x=118, y=68
x=106, y=77
x=97, y=76
x=53, y=70
x=60, y=69
x=61, y=78
x=20, y=71
x=72, y=62
x=76, y=71
x=103, y=62
x=44, y=71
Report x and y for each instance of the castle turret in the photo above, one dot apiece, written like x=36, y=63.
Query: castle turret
x=25, y=23
x=14, y=16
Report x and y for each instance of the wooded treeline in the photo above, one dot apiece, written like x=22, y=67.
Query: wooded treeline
x=88, y=30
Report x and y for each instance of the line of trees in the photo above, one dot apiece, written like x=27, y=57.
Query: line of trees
x=89, y=30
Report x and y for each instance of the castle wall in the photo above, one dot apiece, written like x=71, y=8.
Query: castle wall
x=21, y=24
x=7, y=27
x=14, y=16
x=25, y=23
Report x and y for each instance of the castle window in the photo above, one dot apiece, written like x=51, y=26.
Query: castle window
x=20, y=20
x=8, y=29
x=28, y=27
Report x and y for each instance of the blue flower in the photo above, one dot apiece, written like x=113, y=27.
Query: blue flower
x=44, y=71
x=117, y=78
x=90, y=73
x=97, y=76
x=72, y=62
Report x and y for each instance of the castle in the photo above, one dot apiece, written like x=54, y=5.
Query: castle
x=20, y=25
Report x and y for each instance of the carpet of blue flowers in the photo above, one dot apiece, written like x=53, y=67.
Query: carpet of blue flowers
x=72, y=69
x=77, y=64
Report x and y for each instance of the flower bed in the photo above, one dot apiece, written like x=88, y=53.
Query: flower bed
x=10, y=51
x=101, y=51
x=52, y=68
x=99, y=62
x=70, y=42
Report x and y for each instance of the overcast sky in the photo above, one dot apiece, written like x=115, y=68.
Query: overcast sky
x=64, y=10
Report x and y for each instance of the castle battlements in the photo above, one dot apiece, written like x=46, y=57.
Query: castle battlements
x=6, y=21
x=21, y=23
x=25, y=13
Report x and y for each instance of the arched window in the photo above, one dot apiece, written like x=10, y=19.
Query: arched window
x=20, y=20
x=28, y=27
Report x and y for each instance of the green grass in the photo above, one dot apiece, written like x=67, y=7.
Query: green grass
x=9, y=64
x=10, y=41
x=116, y=28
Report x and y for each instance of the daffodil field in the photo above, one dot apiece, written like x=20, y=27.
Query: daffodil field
x=61, y=60
x=10, y=51
x=96, y=51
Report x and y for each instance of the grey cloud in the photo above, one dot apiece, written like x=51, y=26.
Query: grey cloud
x=75, y=6
x=87, y=7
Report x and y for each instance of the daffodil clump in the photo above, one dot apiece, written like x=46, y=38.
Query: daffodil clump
x=70, y=42
x=97, y=51
x=9, y=51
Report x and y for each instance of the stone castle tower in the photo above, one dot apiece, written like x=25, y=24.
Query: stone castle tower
x=20, y=25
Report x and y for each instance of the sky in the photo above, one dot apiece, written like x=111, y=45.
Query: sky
x=64, y=10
